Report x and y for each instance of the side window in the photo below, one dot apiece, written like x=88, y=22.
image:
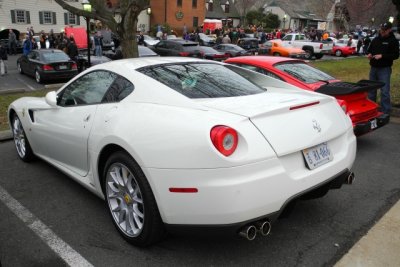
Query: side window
x=118, y=90
x=88, y=89
x=162, y=44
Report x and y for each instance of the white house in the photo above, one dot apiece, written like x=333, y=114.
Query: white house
x=44, y=15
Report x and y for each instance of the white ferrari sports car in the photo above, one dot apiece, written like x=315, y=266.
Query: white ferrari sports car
x=187, y=144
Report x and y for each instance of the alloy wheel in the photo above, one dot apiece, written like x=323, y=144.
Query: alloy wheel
x=19, y=137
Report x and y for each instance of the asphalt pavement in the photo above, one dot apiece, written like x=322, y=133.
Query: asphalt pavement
x=379, y=247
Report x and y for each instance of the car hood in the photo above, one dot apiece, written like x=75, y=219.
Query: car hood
x=279, y=116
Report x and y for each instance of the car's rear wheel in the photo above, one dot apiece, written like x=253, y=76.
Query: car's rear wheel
x=338, y=53
x=20, y=68
x=22, y=145
x=309, y=53
x=38, y=78
x=276, y=54
x=131, y=202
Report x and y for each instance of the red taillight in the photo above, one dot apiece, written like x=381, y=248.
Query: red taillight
x=47, y=67
x=184, y=54
x=225, y=139
x=320, y=46
x=183, y=190
x=74, y=66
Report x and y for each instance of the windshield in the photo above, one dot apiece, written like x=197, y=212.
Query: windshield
x=54, y=57
x=203, y=80
x=304, y=72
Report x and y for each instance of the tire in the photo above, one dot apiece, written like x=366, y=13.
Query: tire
x=319, y=56
x=38, y=78
x=338, y=53
x=309, y=54
x=19, y=68
x=22, y=145
x=276, y=54
x=130, y=201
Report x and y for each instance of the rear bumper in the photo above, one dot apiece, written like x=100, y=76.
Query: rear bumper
x=371, y=125
x=56, y=75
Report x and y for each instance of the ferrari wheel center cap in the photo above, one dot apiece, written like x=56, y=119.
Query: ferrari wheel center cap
x=127, y=199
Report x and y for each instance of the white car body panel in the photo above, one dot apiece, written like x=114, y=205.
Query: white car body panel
x=168, y=135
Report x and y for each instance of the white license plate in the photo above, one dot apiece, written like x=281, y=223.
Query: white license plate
x=317, y=156
x=62, y=67
x=374, y=124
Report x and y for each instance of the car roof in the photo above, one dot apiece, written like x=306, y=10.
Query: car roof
x=261, y=60
x=180, y=41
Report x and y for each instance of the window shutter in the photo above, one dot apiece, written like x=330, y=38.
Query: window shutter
x=28, y=17
x=65, y=18
x=13, y=16
x=78, y=22
x=54, y=18
x=40, y=17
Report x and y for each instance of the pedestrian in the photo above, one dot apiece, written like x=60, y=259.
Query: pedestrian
x=141, y=39
x=3, y=60
x=381, y=52
x=43, y=39
x=27, y=46
x=226, y=39
x=72, y=49
x=52, y=39
x=12, y=43
x=98, y=44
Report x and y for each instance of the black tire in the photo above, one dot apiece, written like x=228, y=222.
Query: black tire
x=38, y=78
x=21, y=142
x=19, y=68
x=319, y=56
x=309, y=53
x=131, y=205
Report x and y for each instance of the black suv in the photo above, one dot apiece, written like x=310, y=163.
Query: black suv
x=177, y=47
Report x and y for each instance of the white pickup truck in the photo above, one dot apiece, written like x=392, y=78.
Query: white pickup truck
x=317, y=49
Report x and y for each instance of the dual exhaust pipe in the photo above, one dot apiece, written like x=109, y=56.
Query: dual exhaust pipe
x=250, y=231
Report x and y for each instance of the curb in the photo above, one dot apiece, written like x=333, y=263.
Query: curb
x=6, y=135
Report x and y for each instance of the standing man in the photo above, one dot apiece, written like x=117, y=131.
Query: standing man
x=12, y=43
x=98, y=44
x=381, y=53
x=3, y=60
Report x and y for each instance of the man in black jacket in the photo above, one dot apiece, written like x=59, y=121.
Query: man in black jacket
x=381, y=53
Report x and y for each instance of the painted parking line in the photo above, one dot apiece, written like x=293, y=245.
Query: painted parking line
x=27, y=85
x=62, y=249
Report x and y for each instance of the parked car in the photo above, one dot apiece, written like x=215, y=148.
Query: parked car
x=142, y=50
x=232, y=50
x=150, y=41
x=210, y=53
x=352, y=97
x=47, y=64
x=205, y=40
x=343, y=51
x=182, y=143
x=249, y=44
x=176, y=47
x=278, y=48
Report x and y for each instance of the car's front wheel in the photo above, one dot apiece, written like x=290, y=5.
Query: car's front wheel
x=38, y=78
x=338, y=53
x=131, y=202
x=22, y=145
x=20, y=68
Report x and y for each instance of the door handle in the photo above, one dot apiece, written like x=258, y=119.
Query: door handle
x=87, y=118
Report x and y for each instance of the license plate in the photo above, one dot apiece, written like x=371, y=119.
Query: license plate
x=317, y=156
x=374, y=124
x=62, y=67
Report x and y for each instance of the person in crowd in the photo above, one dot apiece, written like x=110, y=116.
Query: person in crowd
x=366, y=43
x=12, y=43
x=43, y=39
x=141, y=38
x=72, y=49
x=3, y=60
x=31, y=31
x=350, y=41
x=52, y=39
x=27, y=46
x=382, y=51
x=226, y=39
x=98, y=44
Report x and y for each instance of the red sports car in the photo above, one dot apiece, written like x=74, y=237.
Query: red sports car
x=343, y=51
x=352, y=97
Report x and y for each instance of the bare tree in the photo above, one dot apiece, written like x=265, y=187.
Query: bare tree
x=105, y=11
x=243, y=6
x=362, y=12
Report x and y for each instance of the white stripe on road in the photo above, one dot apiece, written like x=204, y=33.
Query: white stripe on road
x=68, y=254
x=30, y=87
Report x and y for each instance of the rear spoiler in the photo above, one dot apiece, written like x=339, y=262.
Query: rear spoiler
x=345, y=88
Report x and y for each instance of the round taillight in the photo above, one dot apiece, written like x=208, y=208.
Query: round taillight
x=225, y=139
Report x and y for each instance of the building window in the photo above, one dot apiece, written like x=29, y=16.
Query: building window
x=194, y=3
x=195, y=22
x=179, y=3
x=71, y=18
x=227, y=7
x=21, y=16
x=46, y=17
x=210, y=5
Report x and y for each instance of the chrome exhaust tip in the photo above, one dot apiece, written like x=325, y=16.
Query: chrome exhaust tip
x=264, y=227
x=350, y=179
x=249, y=232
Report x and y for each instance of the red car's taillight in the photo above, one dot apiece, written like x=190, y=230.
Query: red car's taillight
x=47, y=67
x=74, y=66
x=184, y=54
x=225, y=139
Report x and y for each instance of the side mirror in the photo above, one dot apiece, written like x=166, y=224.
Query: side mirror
x=51, y=98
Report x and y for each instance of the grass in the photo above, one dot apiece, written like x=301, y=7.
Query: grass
x=350, y=70
x=355, y=69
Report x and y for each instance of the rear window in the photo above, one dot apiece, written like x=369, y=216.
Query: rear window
x=304, y=72
x=203, y=80
x=54, y=57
